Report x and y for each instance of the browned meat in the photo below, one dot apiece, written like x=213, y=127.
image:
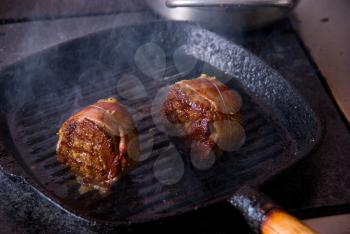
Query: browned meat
x=99, y=143
x=207, y=112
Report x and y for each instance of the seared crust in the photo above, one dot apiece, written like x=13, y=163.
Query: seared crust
x=99, y=143
x=204, y=110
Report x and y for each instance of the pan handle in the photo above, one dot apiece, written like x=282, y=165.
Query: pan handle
x=238, y=3
x=264, y=216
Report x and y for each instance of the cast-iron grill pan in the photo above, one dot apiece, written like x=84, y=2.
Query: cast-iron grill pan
x=43, y=90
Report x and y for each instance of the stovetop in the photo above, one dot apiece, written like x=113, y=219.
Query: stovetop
x=317, y=185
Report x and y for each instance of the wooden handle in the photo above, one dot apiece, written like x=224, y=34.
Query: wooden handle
x=279, y=221
x=264, y=216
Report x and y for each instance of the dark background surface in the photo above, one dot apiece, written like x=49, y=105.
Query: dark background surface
x=17, y=10
x=320, y=180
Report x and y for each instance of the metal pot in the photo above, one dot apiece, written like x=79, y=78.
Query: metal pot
x=232, y=14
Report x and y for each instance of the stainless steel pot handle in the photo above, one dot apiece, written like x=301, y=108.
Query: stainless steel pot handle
x=238, y=3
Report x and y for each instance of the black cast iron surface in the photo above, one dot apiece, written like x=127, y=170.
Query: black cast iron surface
x=45, y=89
x=25, y=208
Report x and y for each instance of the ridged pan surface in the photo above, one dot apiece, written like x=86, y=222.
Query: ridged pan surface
x=39, y=93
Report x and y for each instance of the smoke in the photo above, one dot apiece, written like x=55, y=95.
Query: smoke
x=169, y=166
x=183, y=62
x=131, y=88
x=150, y=59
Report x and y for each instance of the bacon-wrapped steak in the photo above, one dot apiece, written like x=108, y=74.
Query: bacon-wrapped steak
x=99, y=143
x=207, y=113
